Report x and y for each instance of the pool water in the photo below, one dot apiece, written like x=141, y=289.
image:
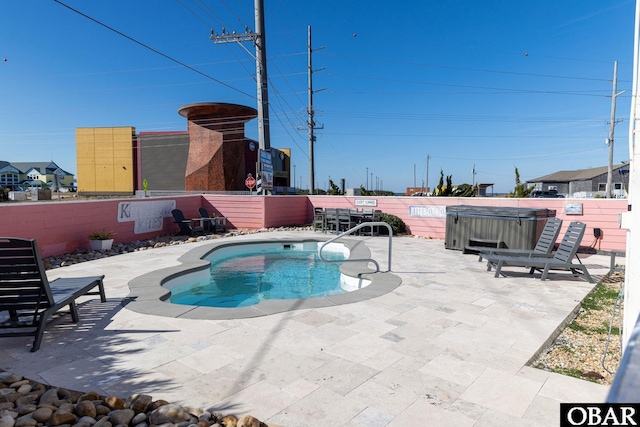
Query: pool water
x=241, y=277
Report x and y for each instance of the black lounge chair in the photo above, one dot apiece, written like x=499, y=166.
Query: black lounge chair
x=186, y=225
x=561, y=260
x=544, y=246
x=27, y=295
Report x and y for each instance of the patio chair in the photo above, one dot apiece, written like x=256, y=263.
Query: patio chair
x=544, y=246
x=561, y=260
x=344, y=220
x=186, y=225
x=319, y=220
x=331, y=221
x=29, y=298
x=208, y=223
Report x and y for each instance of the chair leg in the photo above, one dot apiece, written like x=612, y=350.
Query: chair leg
x=103, y=297
x=499, y=268
x=586, y=274
x=545, y=272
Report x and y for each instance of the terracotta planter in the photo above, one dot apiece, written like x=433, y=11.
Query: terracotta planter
x=101, y=245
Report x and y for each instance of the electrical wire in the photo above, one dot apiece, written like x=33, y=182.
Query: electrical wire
x=154, y=50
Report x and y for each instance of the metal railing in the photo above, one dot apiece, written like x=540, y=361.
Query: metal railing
x=356, y=228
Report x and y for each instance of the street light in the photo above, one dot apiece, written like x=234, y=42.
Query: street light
x=294, y=176
x=367, y=179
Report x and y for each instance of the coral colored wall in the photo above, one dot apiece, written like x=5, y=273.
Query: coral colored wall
x=596, y=213
x=62, y=227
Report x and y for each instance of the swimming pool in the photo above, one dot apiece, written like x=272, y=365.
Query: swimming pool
x=244, y=275
x=150, y=293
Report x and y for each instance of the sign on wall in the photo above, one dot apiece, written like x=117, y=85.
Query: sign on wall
x=428, y=211
x=366, y=202
x=147, y=216
x=573, y=208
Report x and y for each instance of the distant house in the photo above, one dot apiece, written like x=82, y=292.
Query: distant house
x=25, y=175
x=584, y=182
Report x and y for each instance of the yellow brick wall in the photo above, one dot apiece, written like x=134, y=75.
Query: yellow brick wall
x=104, y=159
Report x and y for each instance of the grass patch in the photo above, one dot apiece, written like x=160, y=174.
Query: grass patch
x=600, y=298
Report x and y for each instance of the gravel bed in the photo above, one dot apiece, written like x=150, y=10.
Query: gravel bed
x=579, y=349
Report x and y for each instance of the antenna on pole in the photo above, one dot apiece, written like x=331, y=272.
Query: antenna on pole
x=311, y=124
x=259, y=40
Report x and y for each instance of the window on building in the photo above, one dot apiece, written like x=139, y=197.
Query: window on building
x=553, y=187
x=602, y=186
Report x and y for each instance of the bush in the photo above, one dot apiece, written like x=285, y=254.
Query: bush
x=397, y=225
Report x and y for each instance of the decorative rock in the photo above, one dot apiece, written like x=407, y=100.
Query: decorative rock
x=59, y=418
x=114, y=402
x=103, y=422
x=86, y=408
x=10, y=396
x=7, y=421
x=11, y=378
x=92, y=395
x=205, y=416
x=17, y=384
x=121, y=416
x=50, y=396
x=169, y=413
x=249, y=421
x=140, y=402
x=203, y=423
x=25, y=421
x=139, y=418
x=102, y=410
x=24, y=389
x=158, y=403
x=12, y=414
x=26, y=409
x=86, y=421
x=26, y=399
x=142, y=425
x=6, y=405
x=66, y=407
x=229, y=421
x=41, y=415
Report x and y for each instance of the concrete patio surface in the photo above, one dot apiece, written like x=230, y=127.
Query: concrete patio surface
x=448, y=347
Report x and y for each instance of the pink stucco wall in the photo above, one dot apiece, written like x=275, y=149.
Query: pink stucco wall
x=62, y=227
x=596, y=213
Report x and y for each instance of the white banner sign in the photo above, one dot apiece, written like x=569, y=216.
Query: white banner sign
x=148, y=216
x=428, y=211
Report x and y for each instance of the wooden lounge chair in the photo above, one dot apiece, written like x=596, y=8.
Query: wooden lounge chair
x=561, y=260
x=544, y=246
x=27, y=295
x=186, y=225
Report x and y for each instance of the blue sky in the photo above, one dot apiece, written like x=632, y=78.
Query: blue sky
x=497, y=84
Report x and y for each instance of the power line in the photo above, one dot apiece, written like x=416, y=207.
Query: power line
x=152, y=49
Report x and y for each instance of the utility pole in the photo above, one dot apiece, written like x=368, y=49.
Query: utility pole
x=259, y=40
x=612, y=124
x=428, y=157
x=310, y=113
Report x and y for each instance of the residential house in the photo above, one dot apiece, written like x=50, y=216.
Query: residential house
x=584, y=182
x=26, y=175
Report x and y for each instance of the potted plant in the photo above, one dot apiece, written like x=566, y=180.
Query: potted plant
x=101, y=240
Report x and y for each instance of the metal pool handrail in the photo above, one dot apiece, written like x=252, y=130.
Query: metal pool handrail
x=356, y=228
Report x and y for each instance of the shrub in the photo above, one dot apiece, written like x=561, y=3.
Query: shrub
x=397, y=225
x=101, y=235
